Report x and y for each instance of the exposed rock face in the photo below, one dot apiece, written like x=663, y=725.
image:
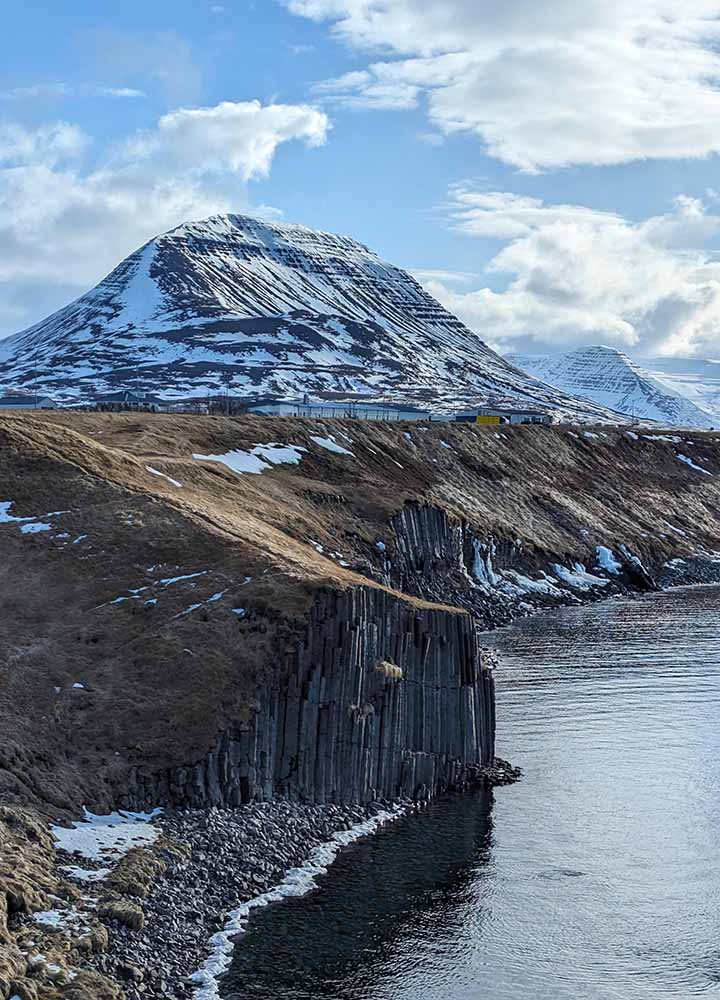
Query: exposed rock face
x=280, y=308
x=443, y=558
x=375, y=699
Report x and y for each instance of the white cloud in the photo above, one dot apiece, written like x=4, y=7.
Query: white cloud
x=59, y=89
x=299, y=49
x=236, y=137
x=49, y=145
x=544, y=83
x=444, y=276
x=130, y=92
x=579, y=276
x=66, y=222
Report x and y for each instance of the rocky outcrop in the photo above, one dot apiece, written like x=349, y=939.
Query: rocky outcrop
x=439, y=557
x=375, y=697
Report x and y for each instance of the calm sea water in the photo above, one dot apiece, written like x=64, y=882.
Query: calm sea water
x=597, y=877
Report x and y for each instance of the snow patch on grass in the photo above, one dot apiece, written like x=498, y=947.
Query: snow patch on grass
x=28, y=525
x=85, y=874
x=188, y=611
x=35, y=527
x=330, y=444
x=691, y=464
x=156, y=472
x=678, y=531
x=57, y=919
x=6, y=517
x=259, y=459
x=188, y=576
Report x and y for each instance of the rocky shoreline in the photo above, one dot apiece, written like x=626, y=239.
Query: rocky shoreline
x=219, y=859
x=214, y=861
x=158, y=920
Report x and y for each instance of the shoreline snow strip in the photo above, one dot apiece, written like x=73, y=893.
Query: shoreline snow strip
x=297, y=882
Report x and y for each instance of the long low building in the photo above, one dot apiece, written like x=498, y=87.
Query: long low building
x=357, y=411
x=125, y=399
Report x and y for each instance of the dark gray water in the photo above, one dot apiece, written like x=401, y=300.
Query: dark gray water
x=597, y=877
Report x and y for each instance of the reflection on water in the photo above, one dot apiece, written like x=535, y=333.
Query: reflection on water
x=404, y=881
x=596, y=877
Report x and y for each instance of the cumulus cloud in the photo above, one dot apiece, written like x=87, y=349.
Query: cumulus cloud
x=236, y=137
x=574, y=276
x=49, y=145
x=66, y=218
x=543, y=83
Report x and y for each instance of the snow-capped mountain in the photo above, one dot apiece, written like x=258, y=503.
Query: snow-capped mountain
x=612, y=379
x=278, y=308
x=696, y=378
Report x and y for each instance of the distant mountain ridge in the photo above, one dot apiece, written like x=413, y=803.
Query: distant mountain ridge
x=612, y=379
x=696, y=378
x=280, y=310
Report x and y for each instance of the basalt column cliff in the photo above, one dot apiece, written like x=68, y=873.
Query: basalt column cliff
x=374, y=699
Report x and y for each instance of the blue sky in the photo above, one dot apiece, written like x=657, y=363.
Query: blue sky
x=548, y=169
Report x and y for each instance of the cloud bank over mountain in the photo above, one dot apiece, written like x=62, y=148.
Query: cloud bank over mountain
x=580, y=276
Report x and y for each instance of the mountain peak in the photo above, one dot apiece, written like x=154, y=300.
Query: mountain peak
x=255, y=228
x=610, y=378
